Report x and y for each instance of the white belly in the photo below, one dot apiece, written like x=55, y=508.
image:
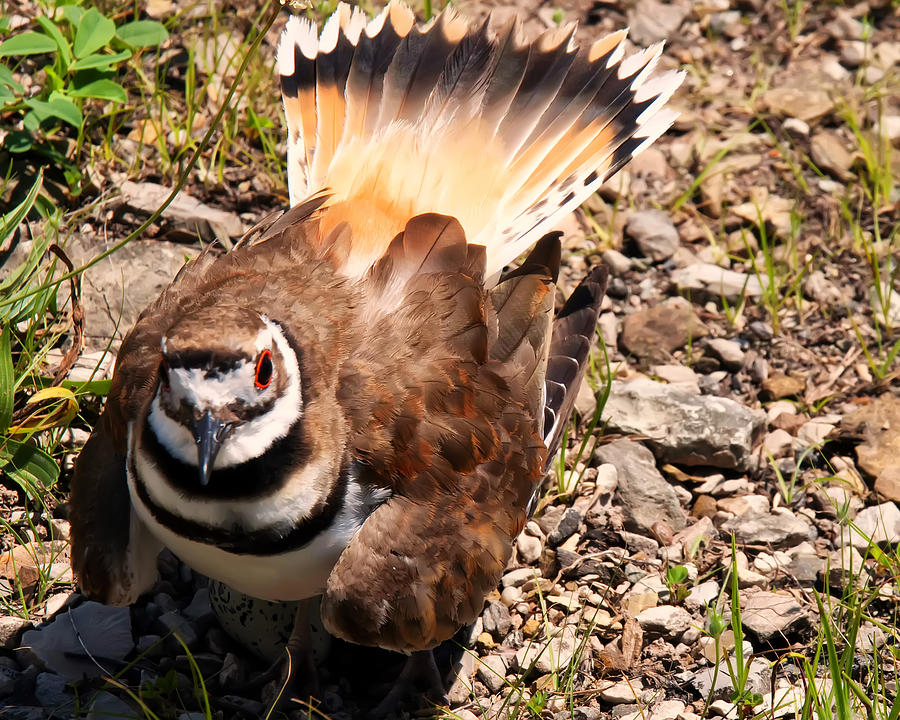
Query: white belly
x=292, y=575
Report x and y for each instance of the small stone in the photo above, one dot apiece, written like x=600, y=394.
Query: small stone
x=510, y=595
x=678, y=376
x=529, y=548
x=717, y=282
x=853, y=53
x=795, y=127
x=772, y=616
x=622, y=692
x=702, y=596
x=52, y=691
x=654, y=233
x=778, y=385
x=199, y=611
x=667, y=710
x=496, y=619
x=728, y=351
x=11, y=629
x=830, y=154
x=651, y=21
x=568, y=524
x=646, y=496
x=744, y=504
x=656, y=331
x=846, y=567
x=806, y=105
x=617, y=263
x=517, y=578
x=778, y=443
x=105, y=706
x=667, y=620
x=880, y=524
x=492, y=672
x=462, y=672
x=174, y=622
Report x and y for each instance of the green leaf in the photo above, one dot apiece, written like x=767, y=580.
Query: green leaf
x=28, y=43
x=61, y=43
x=72, y=14
x=28, y=465
x=98, y=60
x=10, y=221
x=59, y=107
x=7, y=79
x=102, y=90
x=142, y=33
x=7, y=380
x=94, y=32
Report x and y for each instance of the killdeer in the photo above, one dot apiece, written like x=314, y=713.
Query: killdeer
x=358, y=401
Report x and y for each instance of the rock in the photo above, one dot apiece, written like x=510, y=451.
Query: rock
x=622, y=692
x=880, y=524
x=778, y=443
x=497, y=620
x=174, y=622
x=744, y=504
x=651, y=21
x=717, y=282
x=771, y=616
x=667, y=710
x=188, y=214
x=701, y=596
x=666, y=620
x=845, y=26
x=678, y=376
x=618, y=263
x=887, y=484
x=854, y=53
x=62, y=645
x=492, y=672
x=804, y=104
x=812, y=434
x=846, y=567
x=879, y=424
x=9, y=681
x=52, y=691
x=746, y=577
x=655, y=332
x=795, y=127
x=11, y=629
x=112, y=305
x=106, y=706
x=645, y=495
x=517, y=578
x=654, y=233
x=778, y=528
x=778, y=385
x=772, y=209
x=586, y=401
x=830, y=154
x=805, y=568
x=728, y=351
x=550, y=656
x=888, y=127
x=199, y=611
x=529, y=548
x=568, y=524
x=461, y=674
x=684, y=428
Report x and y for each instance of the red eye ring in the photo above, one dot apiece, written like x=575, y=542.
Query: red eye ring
x=265, y=370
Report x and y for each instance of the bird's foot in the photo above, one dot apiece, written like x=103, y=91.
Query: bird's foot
x=420, y=676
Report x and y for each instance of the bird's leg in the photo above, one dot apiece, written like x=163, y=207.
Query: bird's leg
x=420, y=674
x=299, y=677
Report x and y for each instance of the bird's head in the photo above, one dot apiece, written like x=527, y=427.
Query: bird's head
x=229, y=387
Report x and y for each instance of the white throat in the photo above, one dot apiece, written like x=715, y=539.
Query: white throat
x=247, y=440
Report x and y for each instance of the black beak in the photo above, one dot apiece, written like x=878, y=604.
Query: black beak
x=209, y=432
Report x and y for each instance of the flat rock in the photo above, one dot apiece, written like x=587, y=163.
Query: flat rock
x=879, y=524
x=118, y=288
x=830, y=153
x=645, y=495
x=651, y=20
x=758, y=679
x=778, y=385
x=106, y=706
x=879, y=424
x=11, y=629
x=777, y=528
x=654, y=233
x=667, y=620
x=717, y=282
x=771, y=616
x=654, y=332
x=804, y=104
x=492, y=672
x=52, y=691
x=685, y=428
x=62, y=645
x=186, y=213
x=728, y=351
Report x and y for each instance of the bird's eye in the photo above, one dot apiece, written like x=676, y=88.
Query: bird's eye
x=264, y=370
x=164, y=375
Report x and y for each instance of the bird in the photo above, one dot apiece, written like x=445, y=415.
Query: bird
x=359, y=401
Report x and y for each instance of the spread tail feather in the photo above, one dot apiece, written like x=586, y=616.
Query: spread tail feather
x=396, y=119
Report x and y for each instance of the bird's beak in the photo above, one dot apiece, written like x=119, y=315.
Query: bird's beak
x=209, y=432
